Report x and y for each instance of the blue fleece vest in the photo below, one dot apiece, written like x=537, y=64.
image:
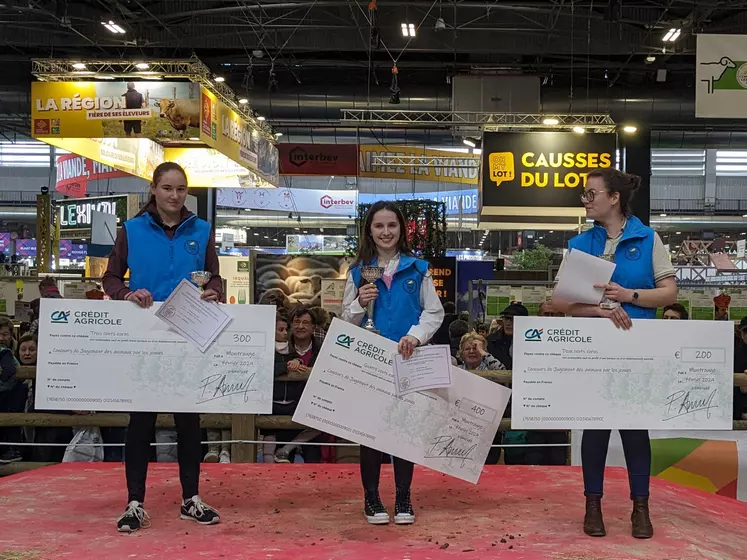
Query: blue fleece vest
x=397, y=309
x=158, y=263
x=633, y=259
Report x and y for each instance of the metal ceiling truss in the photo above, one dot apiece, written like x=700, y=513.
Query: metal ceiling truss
x=192, y=69
x=488, y=122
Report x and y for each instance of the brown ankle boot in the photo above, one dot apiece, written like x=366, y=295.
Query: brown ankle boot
x=642, y=527
x=593, y=522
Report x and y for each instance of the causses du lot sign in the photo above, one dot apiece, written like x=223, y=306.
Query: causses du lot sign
x=545, y=169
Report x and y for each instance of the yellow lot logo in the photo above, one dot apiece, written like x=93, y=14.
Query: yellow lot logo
x=501, y=167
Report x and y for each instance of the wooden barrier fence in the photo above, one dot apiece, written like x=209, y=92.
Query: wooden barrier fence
x=243, y=426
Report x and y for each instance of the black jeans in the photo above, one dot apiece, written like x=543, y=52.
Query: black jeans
x=371, y=470
x=637, y=449
x=13, y=400
x=141, y=433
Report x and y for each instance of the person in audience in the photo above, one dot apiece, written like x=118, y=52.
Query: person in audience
x=27, y=350
x=495, y=324
x=740, y=366
x=482, y=330
x=500, y=343
x=408, y=311
x=47, y=289
x=676, y=311
x=161, y=246
x=13, y=393
x=473, y=355
x=303, y=349
x=442, y=334
x=546, y=310
x=321, y=316
x=457, y=330
x=643, y=280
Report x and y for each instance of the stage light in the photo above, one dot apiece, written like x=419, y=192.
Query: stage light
x=260, y=118
x=650, y=59
x=550, y=121
x=468, y=142
x=630, y=129
x=79, y=66
x=579, y=129
x=243, y=101
x=220, y=79
x=142, y=65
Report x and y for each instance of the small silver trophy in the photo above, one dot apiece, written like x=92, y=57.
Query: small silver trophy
x=200, y=278
x=370, y=274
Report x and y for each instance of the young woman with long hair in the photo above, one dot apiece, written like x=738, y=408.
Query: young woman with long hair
x=408, y=311
x=160, y=247
x=643, y=280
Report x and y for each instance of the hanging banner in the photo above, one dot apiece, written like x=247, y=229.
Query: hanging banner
x=225, y=130
x=419, y=164
x=457, y=202
x=541, y=169
x=721, y=72
x=319, y=159
x=156, y=110
x=74, y=172
x=206, y=167
x=341, y=203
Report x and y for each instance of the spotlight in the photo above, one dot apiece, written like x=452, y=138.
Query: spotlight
x=630, y=129
x=220, y=79
x=468, y=142
x=142, y=65
x=243, y=101
x=579, y=129
x=260, y=118
x=79, y=66
x=550, y=121
x=650, y=59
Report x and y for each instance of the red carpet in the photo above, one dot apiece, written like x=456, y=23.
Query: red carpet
x=314, y=512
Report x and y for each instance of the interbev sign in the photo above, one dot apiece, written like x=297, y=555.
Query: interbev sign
x=541, y=168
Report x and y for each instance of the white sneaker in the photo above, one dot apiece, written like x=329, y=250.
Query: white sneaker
x=211, y=457
x=225, y=456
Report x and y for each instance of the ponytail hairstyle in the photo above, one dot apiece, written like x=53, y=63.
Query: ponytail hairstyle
x=158, y=172
x=366, y=244
x=615, y=181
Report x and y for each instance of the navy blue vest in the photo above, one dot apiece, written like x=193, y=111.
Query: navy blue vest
x=158, y=263
x=397, y=309
x=633, y=259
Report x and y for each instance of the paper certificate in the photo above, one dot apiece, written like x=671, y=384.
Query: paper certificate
x=428, y=368
x=576, y=373
x=351, y=394
x=115, y=356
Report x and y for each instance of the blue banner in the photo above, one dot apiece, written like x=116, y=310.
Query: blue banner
x=463, y=201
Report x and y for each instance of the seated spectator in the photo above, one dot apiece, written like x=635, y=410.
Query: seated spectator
x=482, y=329
x=500, y=343
x=676, y=311
x=303, y=349
x=740, y=366
x=546, y=310
x=457, y=330
x=13, y=393
x=473, y=355
x=442, y=334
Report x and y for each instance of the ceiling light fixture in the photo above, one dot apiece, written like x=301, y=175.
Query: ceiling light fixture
x=677, y=232
x=408, y=29
x=650, y=59
x=220, y=79
x=468, y=142
x=260, y=118
x=243, y=101
x=579, y=129
x=630, y=129
x=113, y=27
x=440, y=24
x=550, y=121
x=663, y=215
x=278, y=134
x=672, y=35
x=142, y=65
x=79, y=66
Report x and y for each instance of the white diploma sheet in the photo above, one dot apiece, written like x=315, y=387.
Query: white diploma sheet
x=576, y=373
x=351, y=394
x=579, y=274
x=428, y=368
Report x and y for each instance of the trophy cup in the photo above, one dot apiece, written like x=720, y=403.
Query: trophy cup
x=370, y=274
x=200, y=278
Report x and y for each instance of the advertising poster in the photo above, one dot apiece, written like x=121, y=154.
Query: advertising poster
x=74, y=172
x=236, y=273
x=156, y=110
x=206, y=167
x=225, y=130
x=444, y=272
x=721, y=72
x=333, y=290
x=340, y=203
x=473, y=270
x=340, y=160
x=541, y=169
x=419, y=164
x=714, y=462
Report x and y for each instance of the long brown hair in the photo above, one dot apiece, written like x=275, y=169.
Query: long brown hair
x=158, y=172
x=366, y=244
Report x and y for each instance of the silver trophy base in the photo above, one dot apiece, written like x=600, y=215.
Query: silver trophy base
x=370, y=327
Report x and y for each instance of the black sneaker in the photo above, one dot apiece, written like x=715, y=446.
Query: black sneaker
x=10, y=455
x=374, y=510
x=133, y=518
x=195, y=509
x=403, y=512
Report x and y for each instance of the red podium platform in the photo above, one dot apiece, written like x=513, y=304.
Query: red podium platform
x=314, y=512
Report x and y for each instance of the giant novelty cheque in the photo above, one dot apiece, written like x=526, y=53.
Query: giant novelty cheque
x=114, y=356
x=574, y=373
x=351, y=394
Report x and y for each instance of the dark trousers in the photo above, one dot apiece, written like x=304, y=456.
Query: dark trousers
x=141, y=433
x=637, y=449
x=13, y=400
x=371, y=470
